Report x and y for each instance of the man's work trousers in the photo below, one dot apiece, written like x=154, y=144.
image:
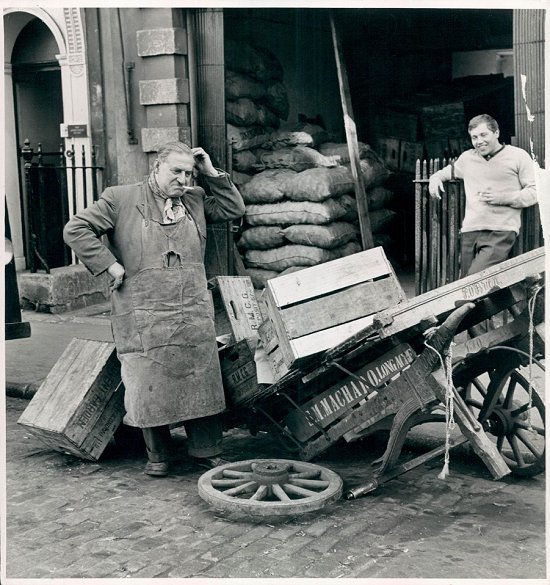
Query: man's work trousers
x=204, y=438
x=484, y=248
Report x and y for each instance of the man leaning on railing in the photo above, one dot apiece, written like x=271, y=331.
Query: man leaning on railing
x=499, y=180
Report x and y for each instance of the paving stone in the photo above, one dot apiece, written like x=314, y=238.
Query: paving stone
x=115, y=522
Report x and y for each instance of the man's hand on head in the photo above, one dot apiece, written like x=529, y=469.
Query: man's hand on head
x=203, y=162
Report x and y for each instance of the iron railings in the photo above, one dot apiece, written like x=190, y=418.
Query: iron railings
x=55, y=186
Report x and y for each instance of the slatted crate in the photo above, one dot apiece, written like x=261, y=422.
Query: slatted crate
x=236, y=307
x=237, y=312
x=361, y=399
x=319, y=307
x=80, y=404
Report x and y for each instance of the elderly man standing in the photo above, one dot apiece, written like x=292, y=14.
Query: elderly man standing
x=162, y=317
x=499, y=180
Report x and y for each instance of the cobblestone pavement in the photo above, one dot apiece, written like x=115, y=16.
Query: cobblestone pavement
x=67, y=518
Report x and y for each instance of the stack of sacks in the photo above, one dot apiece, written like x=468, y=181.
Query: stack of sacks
x=299, y=218
x=256, y=101
x=378, y=197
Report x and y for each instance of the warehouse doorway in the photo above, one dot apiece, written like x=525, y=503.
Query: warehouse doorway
x=416, y=77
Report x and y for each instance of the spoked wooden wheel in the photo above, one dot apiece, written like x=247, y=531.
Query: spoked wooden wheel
x=511, y=416
x=270, y=487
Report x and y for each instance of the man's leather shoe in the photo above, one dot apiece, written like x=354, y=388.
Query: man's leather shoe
x=157, y=469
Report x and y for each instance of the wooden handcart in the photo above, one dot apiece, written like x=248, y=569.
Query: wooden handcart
x=472, y=344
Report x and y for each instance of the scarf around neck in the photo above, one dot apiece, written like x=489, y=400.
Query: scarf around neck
x=174, y=210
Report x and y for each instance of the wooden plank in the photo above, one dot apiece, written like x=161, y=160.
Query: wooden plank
x=309, y=345
x=417, y=229
x=444, y=299
x=351, y=137
x=484, y=448
x=328, y=277
x=343, y=306
x=329, y=405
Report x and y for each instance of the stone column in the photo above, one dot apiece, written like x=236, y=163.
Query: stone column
x=165, y=90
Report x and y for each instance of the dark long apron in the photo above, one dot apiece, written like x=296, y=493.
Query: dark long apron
x=163, y=327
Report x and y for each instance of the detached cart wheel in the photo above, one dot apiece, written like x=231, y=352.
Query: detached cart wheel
x=270, y=487
x=515, y=420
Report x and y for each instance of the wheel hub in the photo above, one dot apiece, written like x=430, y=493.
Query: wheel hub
x=270, y=472
x=502, y=420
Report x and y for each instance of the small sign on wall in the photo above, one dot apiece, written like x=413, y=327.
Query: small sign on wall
x=74, y=130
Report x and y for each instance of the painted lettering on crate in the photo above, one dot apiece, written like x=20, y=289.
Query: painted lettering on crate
x=331, y=404
x=478, y=289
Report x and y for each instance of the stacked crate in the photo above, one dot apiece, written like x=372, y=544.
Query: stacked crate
x=317, y=308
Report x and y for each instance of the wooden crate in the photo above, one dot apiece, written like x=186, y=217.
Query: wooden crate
x=319, y=307
x=236, y=307
x=80, y=404
x=238, y=372
x=349, y=395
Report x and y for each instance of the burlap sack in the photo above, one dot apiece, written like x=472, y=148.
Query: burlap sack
x=267, y=187
x=341, y=149
x=259, y=276
x=244, y=160
x=253, y=61
x=328, y=236
x=296, y=212
x=276, y=99
x=280, y=259
x=242, y=112
x=284, y=138
x=298, y=158
x=319, y=184
x=247, y=137
x=262, y=237
x=238, y=86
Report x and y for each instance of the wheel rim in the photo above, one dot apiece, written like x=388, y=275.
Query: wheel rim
x=270, y=487
x=515, y=423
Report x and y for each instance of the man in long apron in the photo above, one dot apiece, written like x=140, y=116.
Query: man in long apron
x=162, y=316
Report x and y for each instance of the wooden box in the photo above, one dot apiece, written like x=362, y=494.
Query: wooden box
x=238, y=372
x=334, y=413
x=317, y=308
x=80, y=404
x=236, y=308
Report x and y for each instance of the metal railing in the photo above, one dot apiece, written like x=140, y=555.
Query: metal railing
x=55, y=186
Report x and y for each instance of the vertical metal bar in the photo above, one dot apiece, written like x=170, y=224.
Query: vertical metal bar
x=434, y=235
x=28, y=155
x=84, y=178
x=452, y=231
x=425, y=223
x=71, y=157
x=40, y=201
x=95, y=194
x=62, y=177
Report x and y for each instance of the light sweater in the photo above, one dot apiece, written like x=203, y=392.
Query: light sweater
x=510, y=173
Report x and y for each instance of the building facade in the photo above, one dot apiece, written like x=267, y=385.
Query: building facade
x=111, y=84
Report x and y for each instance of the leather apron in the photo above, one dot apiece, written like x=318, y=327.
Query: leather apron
x=163, y=327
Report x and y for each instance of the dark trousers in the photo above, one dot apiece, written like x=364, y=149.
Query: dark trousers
x=479, y=250
x=204, y=438
x=484, y=248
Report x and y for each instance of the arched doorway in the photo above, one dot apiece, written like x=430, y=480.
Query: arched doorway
x=38, y=109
